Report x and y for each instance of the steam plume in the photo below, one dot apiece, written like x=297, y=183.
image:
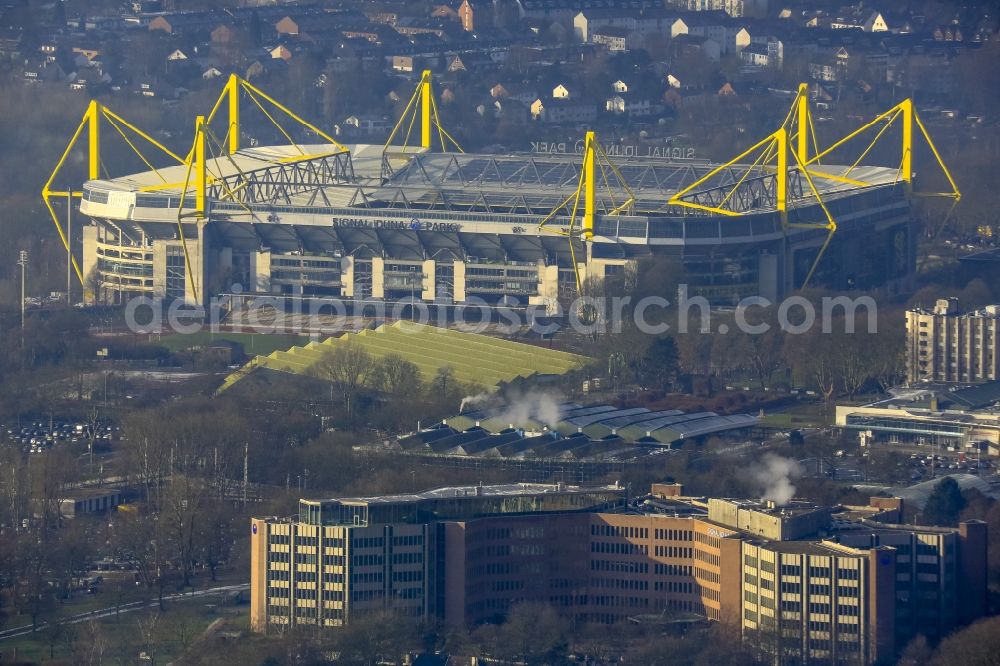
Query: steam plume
x=775, y=475
x=519, y=408
x=473, y=401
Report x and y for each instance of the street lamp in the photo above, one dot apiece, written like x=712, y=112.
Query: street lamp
x=22, y=261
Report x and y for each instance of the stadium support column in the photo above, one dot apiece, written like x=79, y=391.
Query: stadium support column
x=94, y=140
x=199, y=166
x=378, y=277
x=195, y=290
x=459, y=277
x=589, y=177
x=425, y=110
x=802, y=122
x=906, y=168
x=428, y=291
x=233, y=91
x=781, y=172
x=347, y=276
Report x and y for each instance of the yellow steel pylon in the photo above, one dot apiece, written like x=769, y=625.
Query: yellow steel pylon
x=595, y=161
x=92, y=119
x=422, y=104
x=775, y=154
x=798, y=126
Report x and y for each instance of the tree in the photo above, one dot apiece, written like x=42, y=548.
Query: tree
x=395, y=376
x=374, y=639
x=659, y=365
x=944, y=504
x=917, y=652
x=976, y=645
x=534, y=633
x=347, y=367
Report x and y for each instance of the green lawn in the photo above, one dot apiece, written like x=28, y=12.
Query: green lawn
x=805, y=415
x=167, y=634
x=253, y=343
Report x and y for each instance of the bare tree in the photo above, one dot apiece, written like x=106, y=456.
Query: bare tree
x=395, y=376
x=347, y=367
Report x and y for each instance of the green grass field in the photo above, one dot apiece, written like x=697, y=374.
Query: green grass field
x=166, y=635
x=806, y=415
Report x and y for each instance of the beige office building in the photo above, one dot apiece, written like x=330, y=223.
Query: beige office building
x=808, y=584
x=946, y=345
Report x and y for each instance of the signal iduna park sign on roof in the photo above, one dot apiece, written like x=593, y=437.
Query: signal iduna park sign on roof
x=615, y=150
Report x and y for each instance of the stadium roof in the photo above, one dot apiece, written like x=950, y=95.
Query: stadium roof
x=458, y=181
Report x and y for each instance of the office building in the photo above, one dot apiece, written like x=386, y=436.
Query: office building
x=947, y=345
x=806, y=583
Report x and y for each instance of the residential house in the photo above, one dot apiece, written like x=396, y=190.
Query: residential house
x=731, y=35
x=537, y=109
x=645, y=21
x=563, y=111
x=280, y=52
x=560, y=92
x=617, y=39
x=224, y=34
x=634, y=106
x=470, y=62
x=402, y=63
x=948, y=33
x=445, y=12
x=874, y=23
x=90, y=55
x=825, y=70
x=587, y=21
x=756, y=55
x=366, y=125
x=417, y=26
x=466, y=15
x=706, y=45
x=514, y=92
x=513, y=112
x=156, y=90
x=89, y=79
x=311, y=21
x=176, y=23
x=735, y=8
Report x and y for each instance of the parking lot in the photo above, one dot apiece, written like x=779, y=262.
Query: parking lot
x=36, y=436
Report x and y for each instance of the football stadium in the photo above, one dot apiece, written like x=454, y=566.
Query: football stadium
x=394, y=223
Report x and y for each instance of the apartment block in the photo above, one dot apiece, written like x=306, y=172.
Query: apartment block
x=944, y=344
x=808, y=583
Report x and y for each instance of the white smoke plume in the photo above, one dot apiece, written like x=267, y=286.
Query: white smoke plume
x=474, y=401
x=519, y=408
x=531, y=406
x=775, y=475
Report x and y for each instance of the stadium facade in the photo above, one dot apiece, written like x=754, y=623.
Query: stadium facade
x=398, y=223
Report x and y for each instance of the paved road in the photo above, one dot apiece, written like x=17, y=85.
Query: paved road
x=125, y=608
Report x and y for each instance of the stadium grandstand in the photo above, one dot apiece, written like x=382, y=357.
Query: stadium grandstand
x=392, y=223
x=473, y=359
